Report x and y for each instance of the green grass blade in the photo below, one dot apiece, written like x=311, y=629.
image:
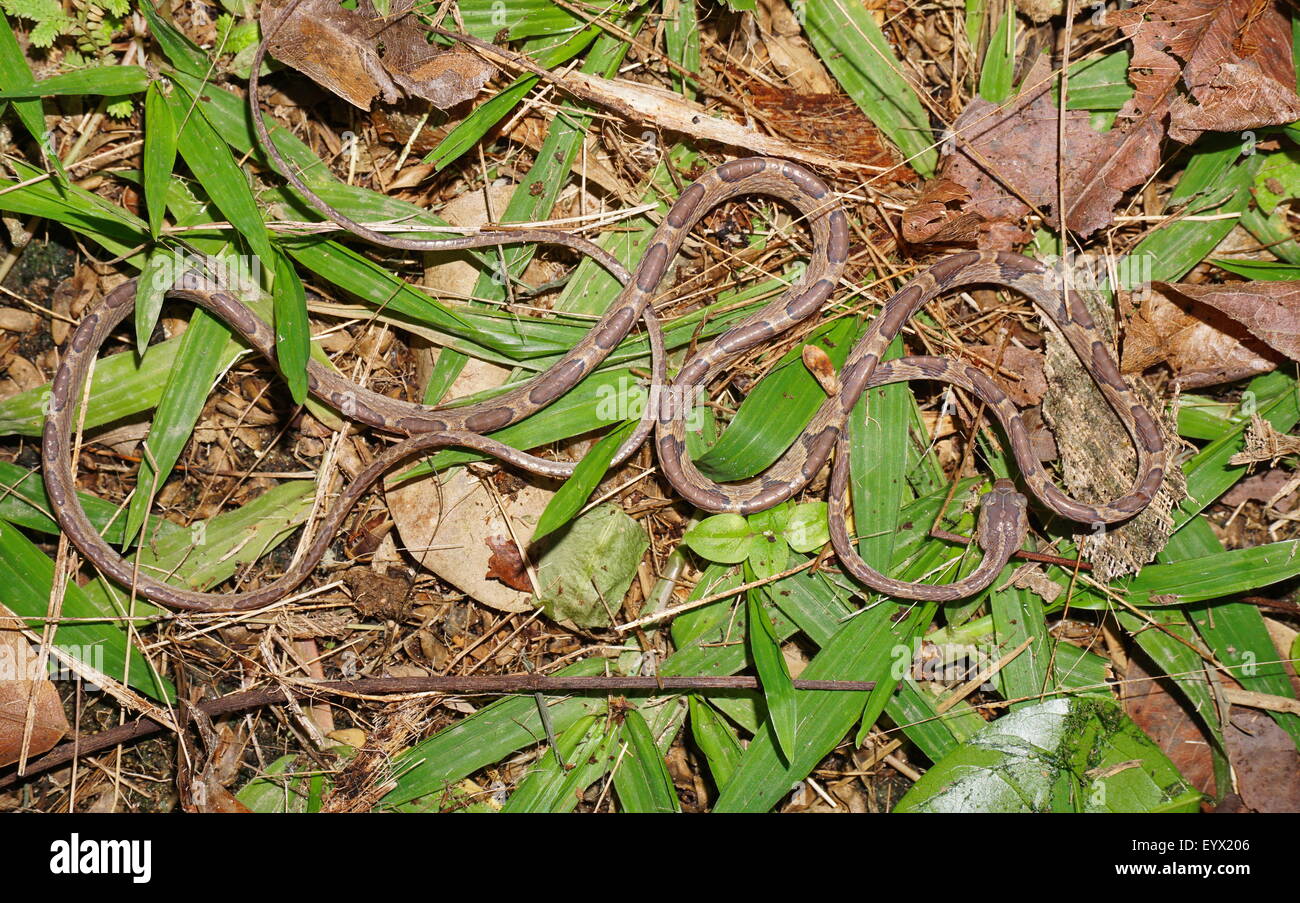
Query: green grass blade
x=570, y=498
x=221, y=177
x=776, y=411
x=682, y=41
x=773, y=674
x=14, y=69
x=159, y=159
x=24, y=503
x=642, y=781
x=292, y=331
x=182, y=52
x=109, y=81
x=487, y=736
x=999, y=61
x=190, y=380
x=716, y=739
x=26, y=579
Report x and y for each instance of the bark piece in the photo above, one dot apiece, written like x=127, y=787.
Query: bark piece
x=1097, y=457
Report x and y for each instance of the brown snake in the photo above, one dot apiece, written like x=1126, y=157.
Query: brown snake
x=1002, y=524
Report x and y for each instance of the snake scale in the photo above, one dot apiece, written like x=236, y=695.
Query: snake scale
x=1002, y=525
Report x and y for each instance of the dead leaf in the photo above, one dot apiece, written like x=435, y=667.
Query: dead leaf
x=360, y=54
x=1264, y=760
x=1270, y=487
x=18, y=661
x=1233, y=59
x=1201, y=345
x=507, y=565
x=1018, y=370
x=939, y=215
x=1269, y=310
x=1166, y=718
x=1006, y=157
x=443, y=525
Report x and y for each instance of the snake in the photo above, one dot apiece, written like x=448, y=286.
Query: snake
x=1002, y=526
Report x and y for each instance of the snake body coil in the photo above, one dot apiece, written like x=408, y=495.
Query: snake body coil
x=1003, y=523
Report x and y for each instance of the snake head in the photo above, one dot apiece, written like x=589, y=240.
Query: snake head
x=1003, y=518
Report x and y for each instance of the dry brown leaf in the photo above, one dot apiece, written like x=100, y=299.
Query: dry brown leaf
x=1233, y=58
x=1007, y=159
x=787, y=49
x=939, y=215
x=443, y=528
x=507, y=565
x=1165, y=716
x=1201, y=345
x=1269, y=310
x=1018, y=370
x=17, y=666
x=360, y=54
x=1271, y=487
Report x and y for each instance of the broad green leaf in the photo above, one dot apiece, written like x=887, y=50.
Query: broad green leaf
x=722, y=537
x=583, y=576
x=1063, y=755
x=768, y=555
x=807, y=530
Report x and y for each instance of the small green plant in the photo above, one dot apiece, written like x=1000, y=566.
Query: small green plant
x=90, y=23
x=765, y=539
x=88, y=29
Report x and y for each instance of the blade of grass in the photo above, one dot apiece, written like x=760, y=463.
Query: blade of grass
x=773, y=675
x=570, y=498
x=91, y=632
x=159, y=161
x=110, y=81
x=642, y=780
